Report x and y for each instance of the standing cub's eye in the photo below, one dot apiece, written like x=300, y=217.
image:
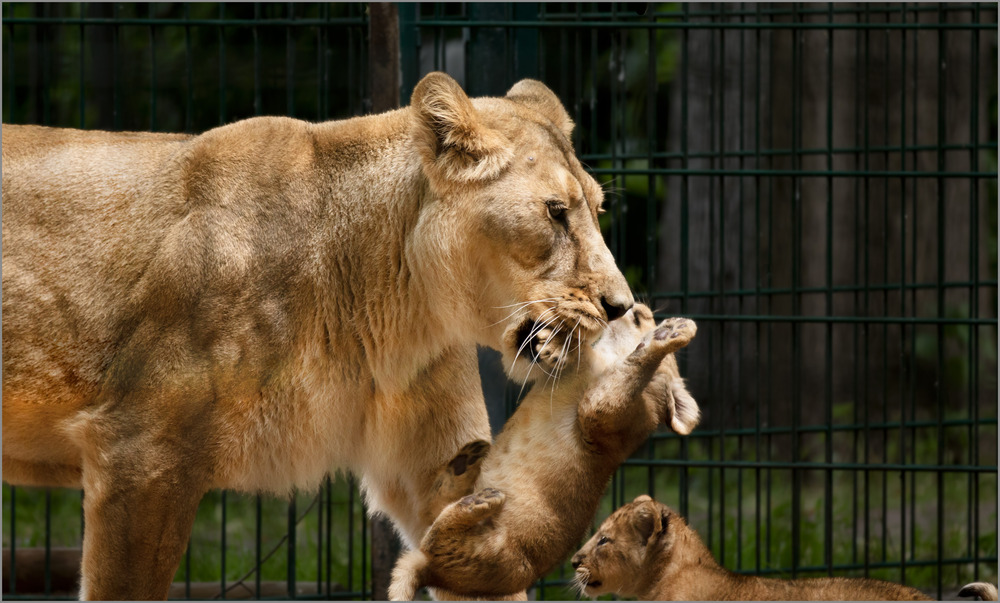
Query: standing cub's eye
x=603, y=540
x=556, y=209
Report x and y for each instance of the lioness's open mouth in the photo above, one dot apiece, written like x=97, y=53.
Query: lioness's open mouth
x=524, y=336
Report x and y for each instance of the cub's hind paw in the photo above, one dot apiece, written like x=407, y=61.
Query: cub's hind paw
x=468, y=456
x=482, y=501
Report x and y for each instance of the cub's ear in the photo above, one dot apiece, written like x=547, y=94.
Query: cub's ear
x=539, y=97
x=643, y=498
x=453, y=143
x=684, y=411
x=648, y=521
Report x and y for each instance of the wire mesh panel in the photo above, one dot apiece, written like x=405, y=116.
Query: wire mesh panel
x=815, y=184
x=191, y=67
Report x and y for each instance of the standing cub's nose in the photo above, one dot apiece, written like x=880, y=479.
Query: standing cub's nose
x=577, y=560
x=615, y=306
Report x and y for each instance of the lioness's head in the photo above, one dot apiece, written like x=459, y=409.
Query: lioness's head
x=519, y=213
x=626, y=548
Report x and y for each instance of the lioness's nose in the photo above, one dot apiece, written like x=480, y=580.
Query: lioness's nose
x=616, y=306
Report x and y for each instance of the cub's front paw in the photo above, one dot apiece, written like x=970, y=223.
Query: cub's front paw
x=550, y=347
x=677, y=332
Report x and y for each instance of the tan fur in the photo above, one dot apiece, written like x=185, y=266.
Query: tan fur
x=647, y=551
x=272, y=300
x=540, y=484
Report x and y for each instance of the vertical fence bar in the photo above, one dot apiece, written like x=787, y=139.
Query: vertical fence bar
x=290, y=63
x=796, y=294
x=741, y=285
x=770, y=324
x=685, y=452
x=941, y=275
x=758, y=330
x=189, y=70
x=258, y=537
x=907, y=367
x=12, y=580
x=885, y=296
x=152, y=70
x=83, y=71
x=258, y=101
x=222, y=64
x=292, y=544
x=913, y=295
x=974, y=185
x=828, y=298
x=222, y=545
x=48, y=542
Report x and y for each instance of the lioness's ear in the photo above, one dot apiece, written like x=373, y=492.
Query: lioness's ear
x=453, y=143
x=685, y=413
x=539, y=97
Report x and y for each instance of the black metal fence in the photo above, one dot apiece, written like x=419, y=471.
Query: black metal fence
x=814, y=183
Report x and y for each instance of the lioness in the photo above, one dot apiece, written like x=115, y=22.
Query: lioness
x=271, y=300
x=540, y=485
x=647, y=551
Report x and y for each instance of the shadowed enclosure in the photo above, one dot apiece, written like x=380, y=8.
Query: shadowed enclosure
x=814, y=184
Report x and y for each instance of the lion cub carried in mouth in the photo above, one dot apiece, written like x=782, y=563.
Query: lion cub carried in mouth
x=540, y=484
x=647, y=551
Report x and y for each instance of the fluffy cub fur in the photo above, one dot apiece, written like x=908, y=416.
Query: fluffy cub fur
x=647, y=551
x=541, y=482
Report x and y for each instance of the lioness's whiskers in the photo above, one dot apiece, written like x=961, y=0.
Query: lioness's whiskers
x=534, y=330
x=520, y=307
x=537, y=301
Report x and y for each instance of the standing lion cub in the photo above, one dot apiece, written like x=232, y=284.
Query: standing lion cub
x=540, y=485
x=647, y=551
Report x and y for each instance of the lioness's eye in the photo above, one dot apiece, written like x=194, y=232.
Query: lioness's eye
x=557, y=211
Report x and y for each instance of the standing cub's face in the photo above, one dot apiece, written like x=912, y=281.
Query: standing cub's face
x=519, y=212
x=614, y=559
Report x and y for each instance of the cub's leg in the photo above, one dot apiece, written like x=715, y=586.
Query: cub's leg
x=613, y=405
x=458, y=477
x=462, y=514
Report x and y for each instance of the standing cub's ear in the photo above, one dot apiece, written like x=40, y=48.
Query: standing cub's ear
x=453, y=143
x=538, y=96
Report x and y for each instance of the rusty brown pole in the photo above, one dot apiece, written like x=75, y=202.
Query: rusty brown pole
x=383, y=61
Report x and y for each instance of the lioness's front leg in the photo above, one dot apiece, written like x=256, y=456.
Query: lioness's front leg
x=139, y=509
